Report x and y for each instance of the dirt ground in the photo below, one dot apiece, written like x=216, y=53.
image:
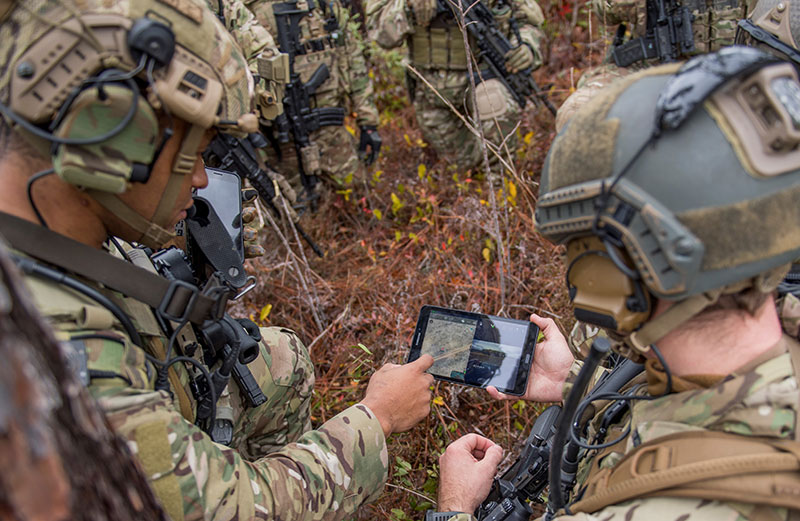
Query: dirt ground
x=423, y=233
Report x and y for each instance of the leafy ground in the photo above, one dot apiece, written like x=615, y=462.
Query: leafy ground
x=421, y=234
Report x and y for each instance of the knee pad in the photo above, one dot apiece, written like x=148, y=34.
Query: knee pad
x=491, y=99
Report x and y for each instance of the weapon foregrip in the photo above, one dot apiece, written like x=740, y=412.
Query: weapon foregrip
x=248, y=385
x=262, y=183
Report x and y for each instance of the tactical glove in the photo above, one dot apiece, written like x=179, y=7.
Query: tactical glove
x=424, y=11
x=251, y=226
x=369, y=138
x=519, y=58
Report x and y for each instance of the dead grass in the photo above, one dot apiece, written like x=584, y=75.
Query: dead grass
x=418, y=236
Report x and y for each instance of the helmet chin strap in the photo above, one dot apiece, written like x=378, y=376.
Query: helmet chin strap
x=681, y=312
x=157, y=231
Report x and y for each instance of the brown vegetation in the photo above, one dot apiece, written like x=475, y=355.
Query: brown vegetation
x=419, y=235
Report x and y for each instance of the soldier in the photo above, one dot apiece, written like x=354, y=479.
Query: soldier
x=329, y=35
x=436, y=50
x=713, y=26
x=676, y=236
x=112, y=104
x=256, y=44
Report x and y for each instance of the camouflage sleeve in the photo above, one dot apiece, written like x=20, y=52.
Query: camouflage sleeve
x=530, y=19
x=359, y=82
x=255, y=42
x=325, y=475
x=388, y=22
x=615, y=12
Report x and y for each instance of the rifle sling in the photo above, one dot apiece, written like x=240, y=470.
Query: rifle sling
x=175, y=300
x=701, y=464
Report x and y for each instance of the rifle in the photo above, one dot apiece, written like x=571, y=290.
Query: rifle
x=527, y=478
x=668, y=35
x=298, y=117
x=239, y=155
x=492, y=48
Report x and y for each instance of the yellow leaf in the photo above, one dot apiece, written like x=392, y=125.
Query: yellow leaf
x=397, y=236
x=348, y=179
x=378, y=214
x=512, y=189
x=421, y=171
x=351, y=130
x=528, y=137
x=408, y=140
x=376, y=176
x=371, y=74
x=438, y=401
x=412, y=236
x=265, y=312
x=487, y=255
x=397, y=204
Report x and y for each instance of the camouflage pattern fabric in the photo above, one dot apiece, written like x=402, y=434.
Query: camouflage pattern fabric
x=392, y=22
x=714, y=27
x=446, y=132
x=276, y=467
x=255, y=41
x=760, y=400
x=349, y=86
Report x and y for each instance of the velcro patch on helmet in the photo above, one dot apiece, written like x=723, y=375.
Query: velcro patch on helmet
x=190, y=9
x=748, y=231
x=585, y=150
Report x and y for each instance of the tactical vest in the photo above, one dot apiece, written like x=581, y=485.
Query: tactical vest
x=441, y=45
x=713, y=25
x=320, y=44
x=438, y=48
x=705, y=465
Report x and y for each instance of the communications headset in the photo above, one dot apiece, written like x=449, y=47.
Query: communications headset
x=105, y=132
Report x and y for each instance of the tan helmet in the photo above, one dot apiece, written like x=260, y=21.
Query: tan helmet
x=87, y=81
x=681, y=183
x=773, y=26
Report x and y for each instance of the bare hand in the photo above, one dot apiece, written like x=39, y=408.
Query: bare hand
x=468, y=466
x=400, y=395
x=550, y=366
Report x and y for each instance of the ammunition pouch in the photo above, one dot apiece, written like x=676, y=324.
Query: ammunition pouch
x=438, y=48
x=491, y=99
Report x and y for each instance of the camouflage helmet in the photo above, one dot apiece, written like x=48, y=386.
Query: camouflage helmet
x=773, y=26
x=91, y=77
x=680, y=183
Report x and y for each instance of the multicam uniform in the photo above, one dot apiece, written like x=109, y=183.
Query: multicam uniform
x=276, y=466
x=255, y=42
x=349, y=86
x=759, y=401
x=437, y=52
x=713, y=27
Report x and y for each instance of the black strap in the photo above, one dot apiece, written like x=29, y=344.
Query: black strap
x=174, y=300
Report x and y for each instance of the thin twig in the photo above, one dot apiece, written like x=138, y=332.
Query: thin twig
x=426, y=498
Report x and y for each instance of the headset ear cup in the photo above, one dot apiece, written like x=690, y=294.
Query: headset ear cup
x=602, y=294
x=110, y=165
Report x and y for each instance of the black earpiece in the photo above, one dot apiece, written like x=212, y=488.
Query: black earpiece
x=153, y=39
